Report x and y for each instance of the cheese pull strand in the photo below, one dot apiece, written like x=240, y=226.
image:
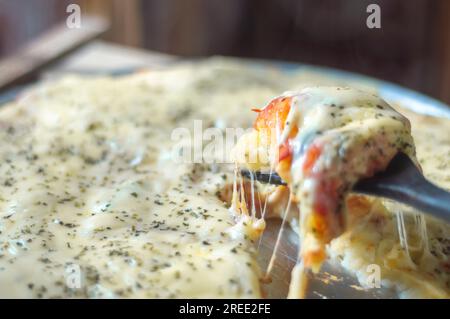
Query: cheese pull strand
x=280, y=234
x=299, y=282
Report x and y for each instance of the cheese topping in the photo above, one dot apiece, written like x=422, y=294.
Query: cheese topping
x=93, y=204
x=330, y=138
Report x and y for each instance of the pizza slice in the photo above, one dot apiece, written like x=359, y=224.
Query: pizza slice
x=321, y=141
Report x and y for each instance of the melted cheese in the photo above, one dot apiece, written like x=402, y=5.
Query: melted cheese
x=89, y=187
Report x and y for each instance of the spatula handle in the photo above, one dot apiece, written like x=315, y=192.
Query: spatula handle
x=403, y=182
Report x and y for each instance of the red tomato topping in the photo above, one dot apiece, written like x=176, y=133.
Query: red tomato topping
x=273, y=114
x=326, y=200
x=285, y=152
x=311, y=157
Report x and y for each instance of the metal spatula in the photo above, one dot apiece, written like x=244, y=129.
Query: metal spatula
x=401, y=181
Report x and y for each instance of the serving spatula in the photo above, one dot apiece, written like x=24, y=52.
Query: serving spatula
x=401, y=181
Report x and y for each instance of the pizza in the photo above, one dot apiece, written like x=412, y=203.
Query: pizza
x=321, y=141
x=93, y=204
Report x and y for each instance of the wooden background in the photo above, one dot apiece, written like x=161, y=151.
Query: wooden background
x=412, y=48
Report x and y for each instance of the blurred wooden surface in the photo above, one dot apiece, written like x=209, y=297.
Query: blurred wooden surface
x=412, y=48
x=105, y=57
x=443, y=50
x=46, y=49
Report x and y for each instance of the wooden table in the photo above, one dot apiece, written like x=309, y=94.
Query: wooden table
x=100, y=56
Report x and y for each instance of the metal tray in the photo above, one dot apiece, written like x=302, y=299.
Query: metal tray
x=332, y=281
